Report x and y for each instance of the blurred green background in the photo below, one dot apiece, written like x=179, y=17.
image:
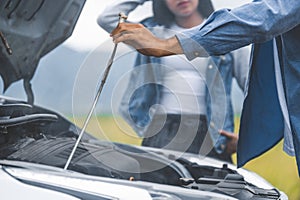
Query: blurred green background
x=275, y=166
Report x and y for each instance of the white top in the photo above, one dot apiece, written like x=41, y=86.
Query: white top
x=184, y=83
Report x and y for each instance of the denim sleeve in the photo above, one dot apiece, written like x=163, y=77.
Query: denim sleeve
x=226, y=30
x=109, y=18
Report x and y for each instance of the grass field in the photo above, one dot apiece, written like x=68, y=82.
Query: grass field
x=275, y=166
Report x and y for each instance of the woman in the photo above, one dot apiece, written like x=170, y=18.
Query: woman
x=194, y=96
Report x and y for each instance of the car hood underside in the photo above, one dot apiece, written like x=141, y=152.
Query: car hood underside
x=29, y=29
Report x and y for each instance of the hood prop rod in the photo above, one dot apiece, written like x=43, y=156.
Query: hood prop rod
x=122, y=18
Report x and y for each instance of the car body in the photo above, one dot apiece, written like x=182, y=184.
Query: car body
x=35, y=142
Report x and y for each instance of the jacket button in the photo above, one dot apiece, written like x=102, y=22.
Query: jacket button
x=196, y=53
x=210, y=66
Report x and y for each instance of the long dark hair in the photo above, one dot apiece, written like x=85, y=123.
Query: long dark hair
x=163, y=16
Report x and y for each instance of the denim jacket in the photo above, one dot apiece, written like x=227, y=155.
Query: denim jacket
x=145, y=85
x=264, y=118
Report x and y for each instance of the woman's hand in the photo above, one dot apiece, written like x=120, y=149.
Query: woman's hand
x=140, y=38
x=231, y=145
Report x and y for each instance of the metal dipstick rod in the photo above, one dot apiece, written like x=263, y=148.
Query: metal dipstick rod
x=122, y=18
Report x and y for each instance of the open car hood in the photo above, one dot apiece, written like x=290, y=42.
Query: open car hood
x=29, y=29
x=39, y=138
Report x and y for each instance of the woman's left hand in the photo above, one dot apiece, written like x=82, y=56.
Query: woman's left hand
x=231, y=146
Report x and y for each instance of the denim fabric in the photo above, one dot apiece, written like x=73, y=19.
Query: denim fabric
x=257, y=22
x=144, y=89
x=232, y=29
x=262, y=121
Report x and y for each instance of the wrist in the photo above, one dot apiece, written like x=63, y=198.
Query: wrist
x=170, y=46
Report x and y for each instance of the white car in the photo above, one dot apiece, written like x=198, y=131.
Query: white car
x=35, y=143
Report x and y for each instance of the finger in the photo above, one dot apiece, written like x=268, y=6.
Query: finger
x=116, y=31
x=227, y=134
x=122, y=27
x=122, y=37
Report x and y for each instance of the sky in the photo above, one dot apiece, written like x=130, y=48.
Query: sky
x=88, y=35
